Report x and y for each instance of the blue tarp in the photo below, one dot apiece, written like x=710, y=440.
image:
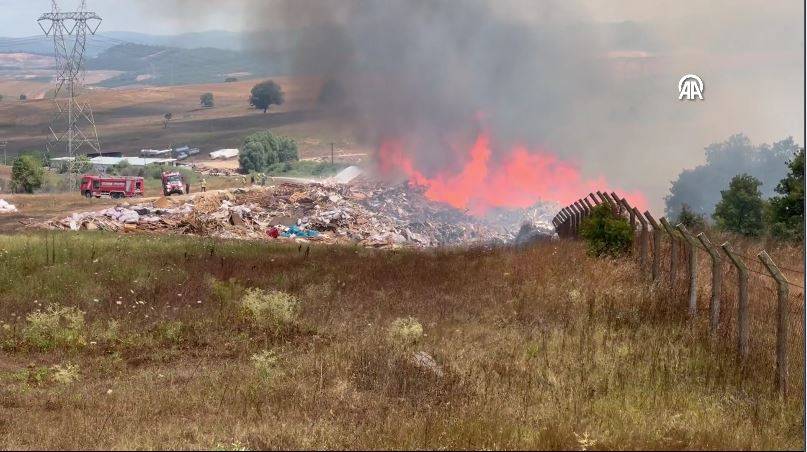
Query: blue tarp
x=297, y=232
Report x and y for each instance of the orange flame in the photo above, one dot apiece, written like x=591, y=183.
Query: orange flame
x=522, y=178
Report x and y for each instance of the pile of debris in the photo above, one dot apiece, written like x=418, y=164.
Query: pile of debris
x=369, y=214
x=5, y=207
x=208, y=171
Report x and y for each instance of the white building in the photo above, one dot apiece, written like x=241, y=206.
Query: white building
x=224, y=154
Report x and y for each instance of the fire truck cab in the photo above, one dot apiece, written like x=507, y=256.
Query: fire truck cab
x=173, y=182
x=113, y=187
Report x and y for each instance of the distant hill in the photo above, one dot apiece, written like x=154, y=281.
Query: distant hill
x=218, y=39
x=159, y=65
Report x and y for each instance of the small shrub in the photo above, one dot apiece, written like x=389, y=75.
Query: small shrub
x=170, y=332
x=405, y=331
x=605, y=233
x=65, y=374
x=225, y=292
x=105, y=332
x=690, y=219
x=273, y=309
x=57, y=326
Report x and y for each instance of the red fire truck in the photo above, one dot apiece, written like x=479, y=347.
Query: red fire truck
x=173, y=182
x=112, y=186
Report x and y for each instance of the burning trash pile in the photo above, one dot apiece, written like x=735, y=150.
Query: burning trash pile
x=371, y=214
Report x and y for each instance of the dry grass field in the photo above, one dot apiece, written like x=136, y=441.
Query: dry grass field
x=131, y=119
x=141, y=342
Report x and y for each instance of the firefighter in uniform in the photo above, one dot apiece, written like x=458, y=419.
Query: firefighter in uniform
x=204, y=184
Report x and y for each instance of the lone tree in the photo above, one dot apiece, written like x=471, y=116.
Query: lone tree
x=266, y=94
x=263, y=149
x=741, y=208
x=787, y=210
x=166, y=117
x=605, y=233
x=206, y=100
x=26, y=174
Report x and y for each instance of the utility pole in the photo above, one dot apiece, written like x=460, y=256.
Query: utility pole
x=4, y=144
x=332, y=154
x=69, y=32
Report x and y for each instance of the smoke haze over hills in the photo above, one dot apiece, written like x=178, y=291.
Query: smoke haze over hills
x=551, y=75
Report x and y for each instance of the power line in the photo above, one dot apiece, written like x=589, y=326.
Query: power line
x=69, y=32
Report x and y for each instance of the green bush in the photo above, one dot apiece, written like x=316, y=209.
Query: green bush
x=742, y=209
x=56, y=326
x=206, y=100
x=605, y=233
x=27, y=174
x=264, y=149
x=690, y=219
x=405, y=331
x=787, y=210
x=273, y=309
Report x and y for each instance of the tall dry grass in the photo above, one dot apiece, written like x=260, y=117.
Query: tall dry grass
x=537, y=348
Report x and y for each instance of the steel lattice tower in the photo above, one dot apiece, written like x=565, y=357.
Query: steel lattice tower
x=73, y=125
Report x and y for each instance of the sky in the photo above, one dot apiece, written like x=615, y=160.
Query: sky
x=144, y=16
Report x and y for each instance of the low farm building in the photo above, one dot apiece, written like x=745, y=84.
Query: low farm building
x=102, y=164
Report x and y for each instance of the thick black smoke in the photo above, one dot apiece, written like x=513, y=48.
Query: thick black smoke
x=431, y=73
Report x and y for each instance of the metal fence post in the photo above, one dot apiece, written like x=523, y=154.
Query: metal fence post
x=673, y=252
x=742, y=305
x=717, y=283
x=624, y=203
x=693, y=269
x=575, y=220
x=569, y=223
x=642, y=236
x=612, y=203
x=584, y=213
x=603, y=198
x=633, y=214
x=656, y=244
x=781, y=322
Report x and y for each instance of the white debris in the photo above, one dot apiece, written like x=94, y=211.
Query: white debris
x=6, y=207
x=224, y=154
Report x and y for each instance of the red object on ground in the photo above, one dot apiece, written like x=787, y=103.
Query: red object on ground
x=273, y=232
x=114, y=187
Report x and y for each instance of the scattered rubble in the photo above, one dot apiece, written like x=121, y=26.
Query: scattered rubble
x=208, y=171
x=5, y=207
x=372, y=215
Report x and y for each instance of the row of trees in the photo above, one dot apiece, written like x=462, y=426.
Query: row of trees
x=699, y=187
x=742, y=209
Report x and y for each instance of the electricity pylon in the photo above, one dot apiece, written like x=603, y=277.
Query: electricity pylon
x=73, y=125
